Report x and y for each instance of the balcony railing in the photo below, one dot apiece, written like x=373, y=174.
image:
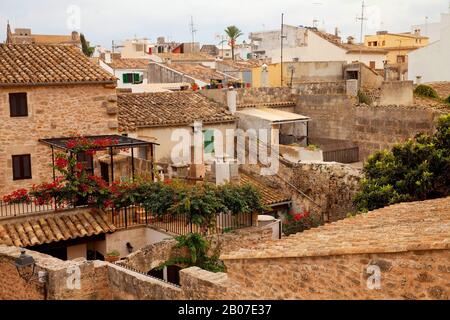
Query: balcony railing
x=136, y=215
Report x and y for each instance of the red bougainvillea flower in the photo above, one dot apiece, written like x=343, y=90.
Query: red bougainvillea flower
x=298, y=217
x=168, y=182
x=79, y=166
x=61, y=163
x=71, y=144
x=18, y=196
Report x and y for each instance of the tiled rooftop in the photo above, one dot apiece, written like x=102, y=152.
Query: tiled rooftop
x=242, y=65
x=442, y=88
x=186, y=57
x=168, y=109
x=121, y=63
x=197, y=71
x=270, y=194
x=24, y=64
x=279, y=104
x=403, y=227
x=38, y=230
x=351, y=48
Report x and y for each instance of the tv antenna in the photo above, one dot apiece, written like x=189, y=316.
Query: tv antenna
x=193, y=31
x=362, y=19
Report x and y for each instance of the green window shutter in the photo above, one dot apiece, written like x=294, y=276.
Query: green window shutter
x=124, y=78
x=136, y=78
x=208, y=138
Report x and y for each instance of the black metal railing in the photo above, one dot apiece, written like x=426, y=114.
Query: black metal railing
x=136, y=215
x=176, y=223
x=21, y=209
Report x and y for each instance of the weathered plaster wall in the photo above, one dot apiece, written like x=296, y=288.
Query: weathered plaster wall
x=53, y=111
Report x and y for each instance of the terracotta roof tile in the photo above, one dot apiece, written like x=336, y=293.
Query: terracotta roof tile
x=279, y=104
x=270, y=194
x=121, y=63
x=197, y=71
x=168, y=109
x=38, y=230
x=31, y=64
x=351, y=48
x=442, y=88
x=186, y=57
x=241, y=65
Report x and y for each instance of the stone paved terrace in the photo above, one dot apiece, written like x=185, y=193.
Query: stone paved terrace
x=400, y=228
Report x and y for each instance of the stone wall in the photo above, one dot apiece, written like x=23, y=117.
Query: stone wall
x=371, y=128
x=329, y=187
x=154, y=255
x=252, y=95
x=332, y=87
x=54, y=111
x=13, y=287
x=93, y=284
x=409, y=275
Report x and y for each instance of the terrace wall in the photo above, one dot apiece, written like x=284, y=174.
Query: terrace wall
x=372, y=128
x=53, y=111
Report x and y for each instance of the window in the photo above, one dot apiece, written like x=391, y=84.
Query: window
x=134, y=78
x=18, y=105
x=401, y=59
x=372, y=64
x=87, y=161
x=208, y=139
x=21, y=167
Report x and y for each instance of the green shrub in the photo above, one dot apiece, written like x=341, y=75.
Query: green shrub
x=198, y=248
x=416, y=170
x=364, y=98
x=447, y=100
x=426, y=91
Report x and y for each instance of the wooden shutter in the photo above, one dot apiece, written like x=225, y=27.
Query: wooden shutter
x=18, y=105
x=21, y=167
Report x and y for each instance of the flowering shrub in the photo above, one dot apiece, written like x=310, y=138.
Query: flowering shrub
x=18, y=196
x=299, y=222
x=200, y=203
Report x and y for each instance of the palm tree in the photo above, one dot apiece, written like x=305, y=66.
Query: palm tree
x=233, y=33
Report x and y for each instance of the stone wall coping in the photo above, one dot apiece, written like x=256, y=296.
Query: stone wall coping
x=415, y=226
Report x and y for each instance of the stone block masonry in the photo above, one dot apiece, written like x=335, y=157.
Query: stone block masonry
x=53, y=111
x=371, y=128
x=398, y=252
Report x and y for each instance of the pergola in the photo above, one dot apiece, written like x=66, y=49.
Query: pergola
x=123, y=142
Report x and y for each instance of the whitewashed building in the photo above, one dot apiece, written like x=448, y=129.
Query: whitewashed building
x=432, y=63
x=310, y=44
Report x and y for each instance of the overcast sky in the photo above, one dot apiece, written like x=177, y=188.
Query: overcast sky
x=105, y=20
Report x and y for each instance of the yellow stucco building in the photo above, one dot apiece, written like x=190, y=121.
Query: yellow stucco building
x=398, y=45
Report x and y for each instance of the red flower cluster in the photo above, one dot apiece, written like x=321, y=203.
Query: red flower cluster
x=105, y=142
x=98, y=181
x=61, y=163
x=300, y=216
x=17, y=196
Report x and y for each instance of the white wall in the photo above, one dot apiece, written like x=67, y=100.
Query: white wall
x=120, y=72
x=163, y=136
x=319, y=49
x=432, y=62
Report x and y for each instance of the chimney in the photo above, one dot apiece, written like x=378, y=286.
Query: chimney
x=108, y=57
x=232, y=100
x=336, y=32
x=350, y=40
x=75, y=36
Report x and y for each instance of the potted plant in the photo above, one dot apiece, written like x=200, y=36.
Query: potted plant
x=112, y=256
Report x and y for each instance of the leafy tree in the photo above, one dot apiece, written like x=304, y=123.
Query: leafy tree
x=233, y=34
x=87, y=50
x=415, y=170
